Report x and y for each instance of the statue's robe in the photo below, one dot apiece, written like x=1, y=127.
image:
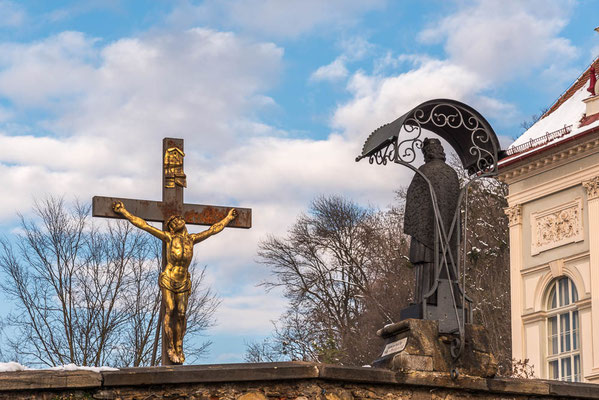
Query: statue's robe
x=419, y=221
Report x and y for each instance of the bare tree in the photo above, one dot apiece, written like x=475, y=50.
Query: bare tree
x=526, y=124
x=487, y=264
x=85, y=295
x=345, y=270
x=336, y=267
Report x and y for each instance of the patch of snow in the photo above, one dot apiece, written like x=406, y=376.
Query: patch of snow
x=569, y=113
x=474, y=250
x=73, y=367
x=12, y=366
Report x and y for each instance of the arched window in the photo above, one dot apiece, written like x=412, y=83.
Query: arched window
x=563, y=331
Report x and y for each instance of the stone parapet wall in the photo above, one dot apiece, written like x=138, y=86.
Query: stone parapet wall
x=275, y=381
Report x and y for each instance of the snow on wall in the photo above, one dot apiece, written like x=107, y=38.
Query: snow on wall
x=15, y=366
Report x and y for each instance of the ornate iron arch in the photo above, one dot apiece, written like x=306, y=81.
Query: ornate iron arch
x=464, y=128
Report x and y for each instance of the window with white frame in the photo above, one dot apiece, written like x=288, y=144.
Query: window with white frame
x=563, y=332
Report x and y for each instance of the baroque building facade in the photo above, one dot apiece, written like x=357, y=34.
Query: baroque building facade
x=552, y=172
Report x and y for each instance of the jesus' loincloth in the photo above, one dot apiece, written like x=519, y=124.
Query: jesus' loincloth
x=175, y=285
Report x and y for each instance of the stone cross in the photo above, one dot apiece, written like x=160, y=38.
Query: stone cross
x=173, y=183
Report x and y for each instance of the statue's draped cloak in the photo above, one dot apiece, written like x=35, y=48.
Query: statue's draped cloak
x=419, y=219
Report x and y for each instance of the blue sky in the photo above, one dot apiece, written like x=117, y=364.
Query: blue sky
x=273, y=98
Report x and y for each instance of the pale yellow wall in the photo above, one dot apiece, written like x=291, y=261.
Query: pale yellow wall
x=545, y=189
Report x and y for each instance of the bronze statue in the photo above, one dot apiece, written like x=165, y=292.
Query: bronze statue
x=175, y=281
x=419, y=219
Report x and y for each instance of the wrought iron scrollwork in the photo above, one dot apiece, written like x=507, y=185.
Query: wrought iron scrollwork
x=402, y=144
x=384, y=155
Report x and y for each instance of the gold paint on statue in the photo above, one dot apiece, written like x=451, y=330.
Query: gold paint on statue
x=174, y=281
x=173, y=168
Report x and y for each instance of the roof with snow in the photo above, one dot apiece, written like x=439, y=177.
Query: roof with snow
x=564, y=120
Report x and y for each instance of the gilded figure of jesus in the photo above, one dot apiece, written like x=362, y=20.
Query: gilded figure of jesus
x=175, y=280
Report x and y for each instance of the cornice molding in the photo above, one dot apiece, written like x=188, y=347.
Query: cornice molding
x=553, y=159
x=555, y=185
x=536, y=316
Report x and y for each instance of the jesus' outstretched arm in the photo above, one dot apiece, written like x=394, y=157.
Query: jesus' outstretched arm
x=216, y=228
x=119, y=208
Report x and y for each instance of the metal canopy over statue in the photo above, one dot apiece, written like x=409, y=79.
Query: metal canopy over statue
x=177, y=249
x=433, y=211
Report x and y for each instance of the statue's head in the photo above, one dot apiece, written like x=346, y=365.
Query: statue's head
x=432, y=150
x=175, y=223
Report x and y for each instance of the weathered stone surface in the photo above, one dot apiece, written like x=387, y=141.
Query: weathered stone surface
x=254, y=396
x=285, y=381
x=424, y=343
x=33, y=379
x=209, y=373
x=410, y=362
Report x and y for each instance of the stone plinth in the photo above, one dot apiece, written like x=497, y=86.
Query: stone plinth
x=276, y=381
x=416, y=345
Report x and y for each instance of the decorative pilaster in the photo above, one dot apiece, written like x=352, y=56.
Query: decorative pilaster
x=514, y=214
x=592, y=189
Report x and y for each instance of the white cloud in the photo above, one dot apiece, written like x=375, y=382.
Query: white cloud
x=116, y=101
x=378, y=100
x=255, y=307
x=274, y=18
x=356, y=47
x=500, y=39
x=331, y=72
x=12, y=14
x=5, y=114
x=486, y=43
x=38, y=74
x=109, y=107
x=353, y=49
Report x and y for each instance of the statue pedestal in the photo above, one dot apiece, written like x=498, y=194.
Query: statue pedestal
x=417, y=345
x=443, y=309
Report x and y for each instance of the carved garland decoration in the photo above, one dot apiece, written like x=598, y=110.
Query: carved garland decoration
x=556, y=227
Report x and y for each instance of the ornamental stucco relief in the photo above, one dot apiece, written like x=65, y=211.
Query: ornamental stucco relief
x=557, y=226
x=592, y=187
x=514, y=214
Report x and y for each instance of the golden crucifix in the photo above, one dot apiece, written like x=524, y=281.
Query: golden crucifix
x=175, y=281
x=177, y=250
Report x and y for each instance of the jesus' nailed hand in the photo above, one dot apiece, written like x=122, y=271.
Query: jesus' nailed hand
x=175, y=281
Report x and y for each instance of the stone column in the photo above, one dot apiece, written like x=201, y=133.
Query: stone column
x=592, y=189
x=514, y=214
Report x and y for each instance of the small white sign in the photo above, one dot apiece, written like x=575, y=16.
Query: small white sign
x=395, y=347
